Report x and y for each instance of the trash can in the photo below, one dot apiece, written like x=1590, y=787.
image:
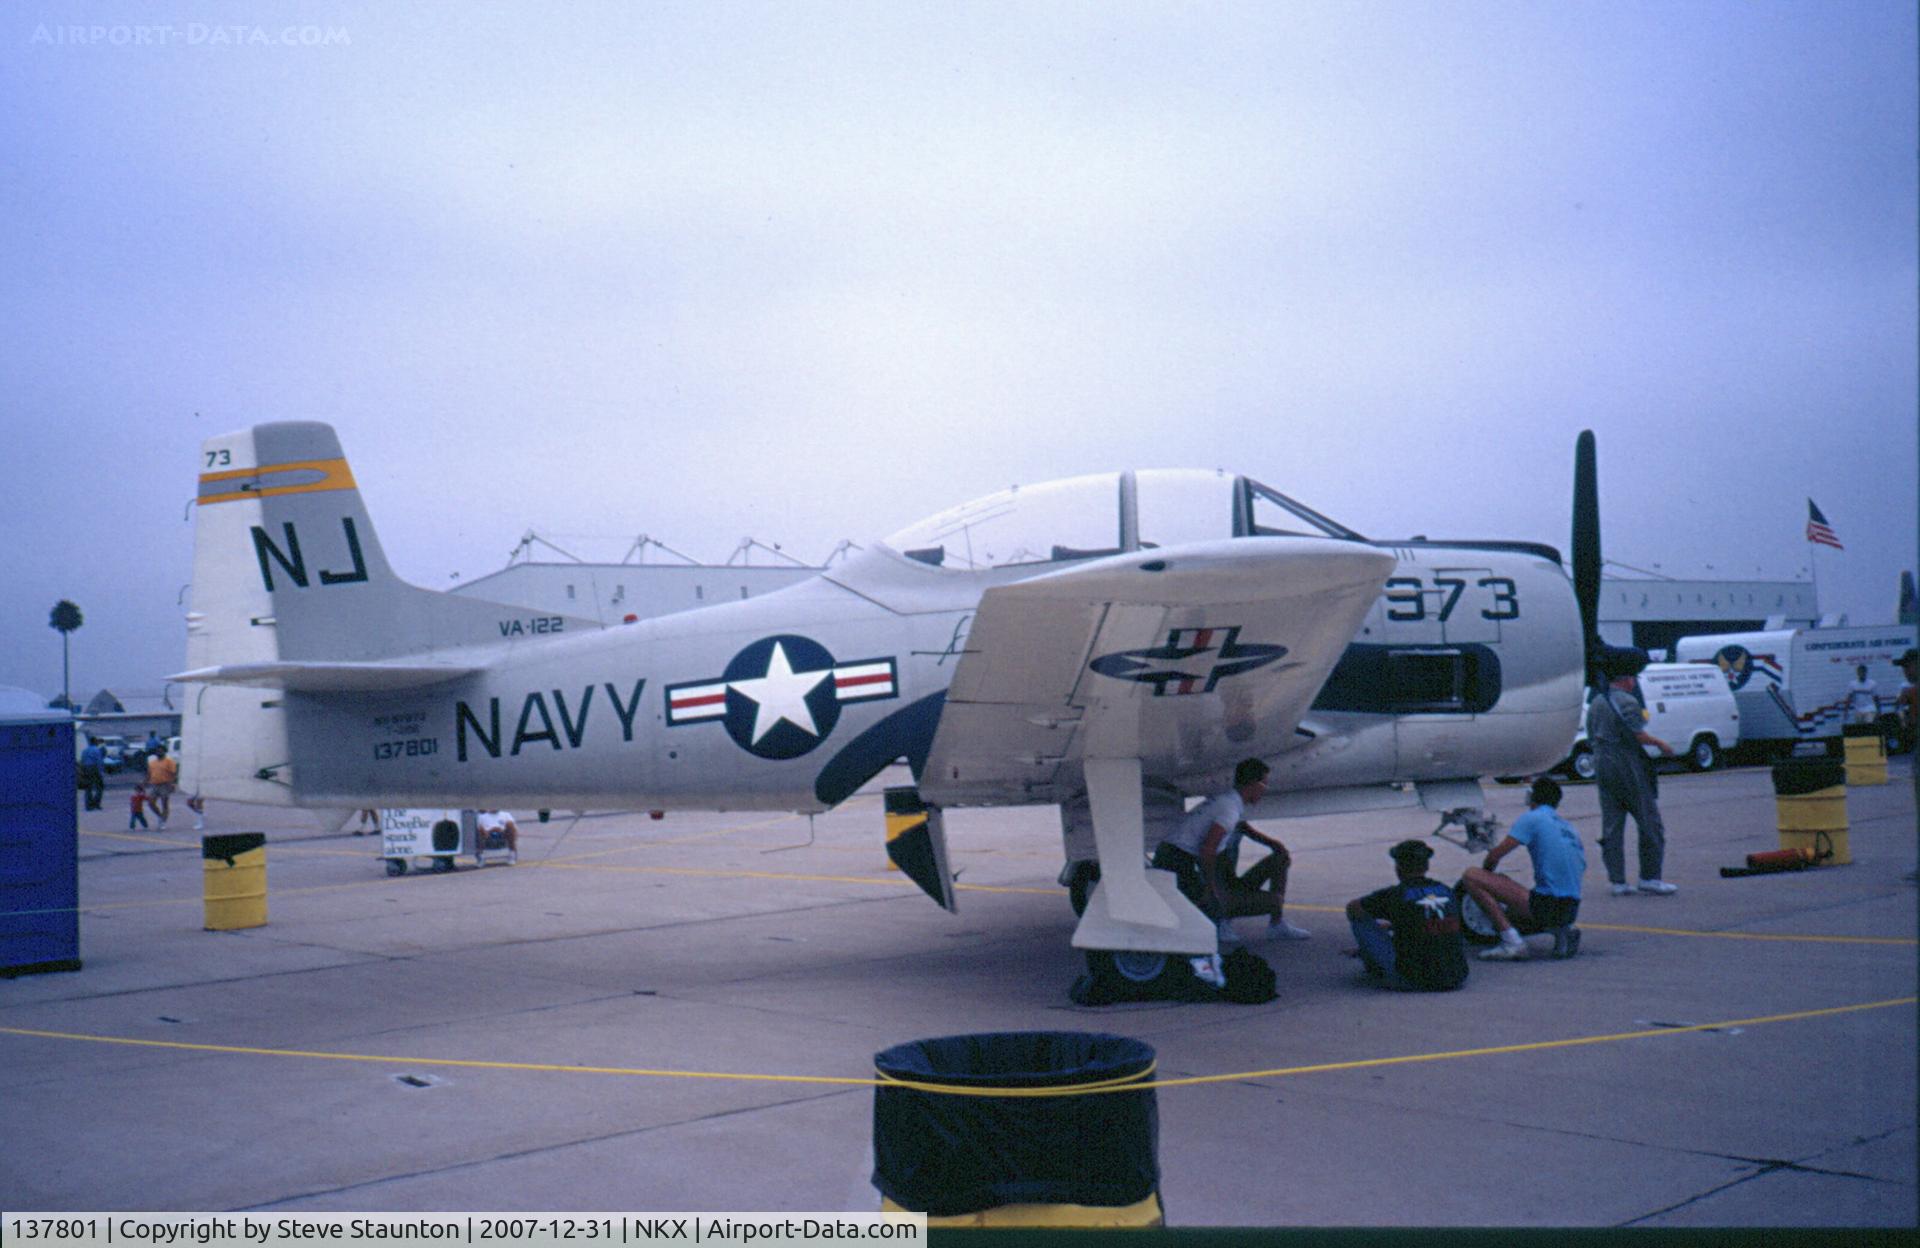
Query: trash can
x=1866, y=756
x=1810, y=799
x=1078, y=1155
x=234, y=874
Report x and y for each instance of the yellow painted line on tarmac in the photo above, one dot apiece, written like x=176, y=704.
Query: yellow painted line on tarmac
x=1779, y=936
x=846, y=1081
x=1787, y=937
x=151, y=839
x=1541, y=1045
x=727, y=873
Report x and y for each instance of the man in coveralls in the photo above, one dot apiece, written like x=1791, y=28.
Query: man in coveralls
x=1617, y=727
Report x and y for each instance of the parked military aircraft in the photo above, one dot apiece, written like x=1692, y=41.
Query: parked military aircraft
x=1111, y=644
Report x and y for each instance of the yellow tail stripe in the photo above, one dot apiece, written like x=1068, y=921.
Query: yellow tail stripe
x=334, y=475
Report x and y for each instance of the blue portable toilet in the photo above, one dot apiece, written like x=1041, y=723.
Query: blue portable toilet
x=39, y=846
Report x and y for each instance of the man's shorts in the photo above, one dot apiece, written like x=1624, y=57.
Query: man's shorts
x=1550, y=911
x=1187, y=876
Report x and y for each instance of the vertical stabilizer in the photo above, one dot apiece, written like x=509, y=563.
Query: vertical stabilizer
x=287, y=570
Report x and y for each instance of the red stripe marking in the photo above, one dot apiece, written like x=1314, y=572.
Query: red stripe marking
x=685, y=704
x=1204, y=638
x=847, y=682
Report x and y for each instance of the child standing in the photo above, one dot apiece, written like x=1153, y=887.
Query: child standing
x=139, y=816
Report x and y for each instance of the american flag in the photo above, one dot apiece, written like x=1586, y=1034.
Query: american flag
x=1817, y=531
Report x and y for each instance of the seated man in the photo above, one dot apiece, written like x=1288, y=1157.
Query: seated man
x=1203, y=852
x=1558, y=863
x=488, y=822
x=1409, y=932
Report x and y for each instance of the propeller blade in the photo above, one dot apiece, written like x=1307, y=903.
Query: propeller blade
x=1586, y=548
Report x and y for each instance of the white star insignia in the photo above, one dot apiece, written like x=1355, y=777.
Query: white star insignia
x=781, y=694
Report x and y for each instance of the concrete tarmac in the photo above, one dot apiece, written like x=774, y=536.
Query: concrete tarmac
x=653, y=1016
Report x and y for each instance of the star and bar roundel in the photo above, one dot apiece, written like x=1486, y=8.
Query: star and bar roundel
x=1193, y=660
x=781, y=696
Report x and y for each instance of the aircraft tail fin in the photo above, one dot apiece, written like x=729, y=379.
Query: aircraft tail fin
x=292, y=592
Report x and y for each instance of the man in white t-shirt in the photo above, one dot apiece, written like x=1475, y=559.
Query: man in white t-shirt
x=1203, y=852
x=485, y=824
x=1863, y=698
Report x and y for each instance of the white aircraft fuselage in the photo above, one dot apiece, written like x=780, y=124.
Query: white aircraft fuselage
x=1187, y=621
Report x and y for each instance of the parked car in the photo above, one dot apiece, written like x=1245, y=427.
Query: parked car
x=116, y=752
x=1689, y=706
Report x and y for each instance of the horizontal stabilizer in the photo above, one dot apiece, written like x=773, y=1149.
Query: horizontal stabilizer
x=322, y=677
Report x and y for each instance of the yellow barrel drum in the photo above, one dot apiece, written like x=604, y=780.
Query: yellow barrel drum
x=1810, y=798
x=234, y=870
x=1866, y=754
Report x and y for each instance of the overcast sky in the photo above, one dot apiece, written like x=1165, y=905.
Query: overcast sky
x=806, y=272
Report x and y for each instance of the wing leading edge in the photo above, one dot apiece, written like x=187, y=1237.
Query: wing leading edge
x=1187, y=658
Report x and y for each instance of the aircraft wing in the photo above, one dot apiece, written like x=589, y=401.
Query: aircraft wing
x=1188, y=658
x=328, y=677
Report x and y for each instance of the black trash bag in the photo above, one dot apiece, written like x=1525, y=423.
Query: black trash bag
x=947, y=1155
x=1250, y=981
x=1796, y=777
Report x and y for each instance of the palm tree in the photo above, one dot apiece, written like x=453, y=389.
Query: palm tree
x=66, y=617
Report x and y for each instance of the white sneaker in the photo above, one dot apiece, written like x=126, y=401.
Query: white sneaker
x=479, y=859
x=1504, y=952
x=513, y=856
x=1623, y=890
x=1283, y=930
x=1208, y=968
x=1659, y=888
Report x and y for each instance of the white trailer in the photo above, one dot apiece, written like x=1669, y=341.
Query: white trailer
x=1792, y=683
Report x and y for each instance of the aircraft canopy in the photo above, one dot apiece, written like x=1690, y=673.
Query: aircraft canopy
x=1106, y=514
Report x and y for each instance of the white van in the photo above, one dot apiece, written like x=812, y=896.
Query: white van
x=1689, y=706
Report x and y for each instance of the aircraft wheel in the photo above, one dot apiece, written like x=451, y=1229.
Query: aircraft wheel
x=396, y=866
x=1705, y=754
x=1474, y=923
x=1582, y=766
x=1080, y=887
x=443, y=864
x=1138, y=974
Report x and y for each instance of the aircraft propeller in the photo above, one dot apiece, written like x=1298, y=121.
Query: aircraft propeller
x=1586, y=551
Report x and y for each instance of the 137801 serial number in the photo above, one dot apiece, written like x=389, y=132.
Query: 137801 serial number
x=412, y=747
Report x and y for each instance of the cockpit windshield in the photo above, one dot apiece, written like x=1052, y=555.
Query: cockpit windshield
x=1106, y=514
x=1077, y=518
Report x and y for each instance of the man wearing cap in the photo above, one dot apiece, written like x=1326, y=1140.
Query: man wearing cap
x=1558, y=863
x=1409, y=932
x=1617, y=727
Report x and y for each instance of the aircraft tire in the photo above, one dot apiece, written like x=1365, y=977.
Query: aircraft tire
x=396, y=866
x=1581, y=766
x=1475, y=926
x=1080, y=887
x=1704, y=754
x=1137, y=976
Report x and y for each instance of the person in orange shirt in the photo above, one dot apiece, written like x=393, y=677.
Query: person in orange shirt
x=163, y=774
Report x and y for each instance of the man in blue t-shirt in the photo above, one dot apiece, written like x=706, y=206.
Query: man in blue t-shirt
x=1558, y=863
